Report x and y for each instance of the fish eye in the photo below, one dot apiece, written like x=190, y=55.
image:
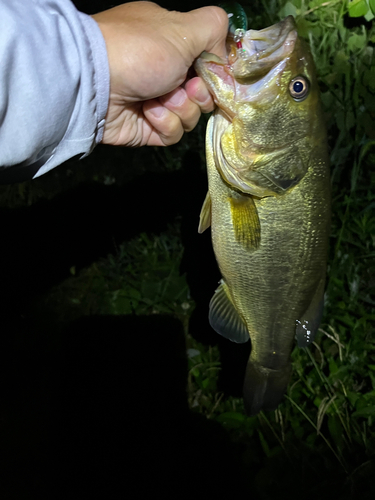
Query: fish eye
x=299, y=88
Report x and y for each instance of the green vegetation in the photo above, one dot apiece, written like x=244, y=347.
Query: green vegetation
x=330, y=405
x=325, y=428
x=142, y=277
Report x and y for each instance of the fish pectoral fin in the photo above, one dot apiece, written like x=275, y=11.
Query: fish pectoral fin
x=224, y=318
x=245, y=220
x=307, y=326
x=205, y=215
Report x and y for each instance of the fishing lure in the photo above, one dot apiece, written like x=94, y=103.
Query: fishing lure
x=237, y=24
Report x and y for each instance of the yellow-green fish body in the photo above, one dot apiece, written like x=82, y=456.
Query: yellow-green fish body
x=268, y=203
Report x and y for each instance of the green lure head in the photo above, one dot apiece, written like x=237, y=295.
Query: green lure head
x=236, y=15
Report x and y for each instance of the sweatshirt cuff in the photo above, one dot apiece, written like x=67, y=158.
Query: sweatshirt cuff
x=101, y=71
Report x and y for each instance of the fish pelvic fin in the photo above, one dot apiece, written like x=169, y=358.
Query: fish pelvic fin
x=307, y=325
x=224, y=318
x=205, y=215
x=245, y=220
x=263, y=387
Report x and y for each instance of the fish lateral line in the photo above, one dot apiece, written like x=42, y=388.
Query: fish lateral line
x=268, y=176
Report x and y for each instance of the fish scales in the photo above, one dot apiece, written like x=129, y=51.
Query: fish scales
x=268, y=206
x=270, y=275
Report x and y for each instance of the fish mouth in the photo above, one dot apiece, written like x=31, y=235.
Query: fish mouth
x=249, y=74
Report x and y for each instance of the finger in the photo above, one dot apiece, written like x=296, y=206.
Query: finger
x=197, y=92
x=209, y=27
x=179, y=103
x=166, y=126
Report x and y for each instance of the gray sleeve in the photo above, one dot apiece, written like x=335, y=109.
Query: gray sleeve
x=54, y=86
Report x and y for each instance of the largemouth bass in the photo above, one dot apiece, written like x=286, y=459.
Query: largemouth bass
x=268, y=202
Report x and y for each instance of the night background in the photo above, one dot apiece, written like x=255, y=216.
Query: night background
x=113, y=382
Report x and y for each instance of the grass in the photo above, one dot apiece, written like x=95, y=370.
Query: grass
x=324, y=429
x=142, y=277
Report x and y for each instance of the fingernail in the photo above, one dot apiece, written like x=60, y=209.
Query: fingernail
x=178, y=97
x=201, y=94
x=157, y=111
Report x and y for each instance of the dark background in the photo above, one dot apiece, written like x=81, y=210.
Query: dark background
x=88, y=409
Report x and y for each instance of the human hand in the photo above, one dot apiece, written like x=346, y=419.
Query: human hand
x=150, y=51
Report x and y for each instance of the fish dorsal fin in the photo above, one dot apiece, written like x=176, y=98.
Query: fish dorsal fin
x=205, y=215
x=307, y=325
x=224, y=318
x=245, y=220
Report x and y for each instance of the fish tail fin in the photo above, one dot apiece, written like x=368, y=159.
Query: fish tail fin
x=263, y=387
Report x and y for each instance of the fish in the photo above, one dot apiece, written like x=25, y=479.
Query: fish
x=268, y=201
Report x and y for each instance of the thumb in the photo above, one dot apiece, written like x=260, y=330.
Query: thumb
x=209, y=29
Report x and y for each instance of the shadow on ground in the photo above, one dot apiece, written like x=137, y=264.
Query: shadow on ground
x=107, y=414
x=100, y=407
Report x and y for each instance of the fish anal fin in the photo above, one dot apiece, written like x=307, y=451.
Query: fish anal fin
x=245, y=221
x=307, y=325
x=224, y=318
x=205, y=215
